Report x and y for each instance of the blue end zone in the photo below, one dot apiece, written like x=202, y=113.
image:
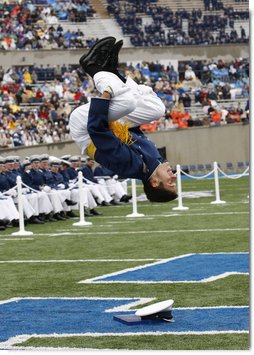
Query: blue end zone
x=83, y=316
x=190, y=268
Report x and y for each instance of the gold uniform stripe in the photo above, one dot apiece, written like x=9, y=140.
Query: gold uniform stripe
x=120, y=130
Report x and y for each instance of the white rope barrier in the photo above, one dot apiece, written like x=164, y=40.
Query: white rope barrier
x=198, y=177
x=234, y=177
x=134, y=201
x=180, y=206
x=82, y=221
x=215, y=171
x=217, y=187
x=22, y=231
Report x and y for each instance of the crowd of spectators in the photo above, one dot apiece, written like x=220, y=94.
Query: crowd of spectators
x=37, y=24
x=203, y=29
x=24, y=25
x=35, y=102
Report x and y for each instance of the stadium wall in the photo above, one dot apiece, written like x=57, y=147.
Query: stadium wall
x=180, y=53
x=202, y=145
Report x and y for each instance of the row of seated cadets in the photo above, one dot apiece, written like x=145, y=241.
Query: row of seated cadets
x=106, y=188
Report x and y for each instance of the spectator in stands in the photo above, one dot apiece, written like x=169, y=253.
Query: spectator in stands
x=216, y=116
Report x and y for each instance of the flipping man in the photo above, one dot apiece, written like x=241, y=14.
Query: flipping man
x=121, y=147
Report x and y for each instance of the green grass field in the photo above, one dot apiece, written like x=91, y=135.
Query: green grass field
x=115, y=242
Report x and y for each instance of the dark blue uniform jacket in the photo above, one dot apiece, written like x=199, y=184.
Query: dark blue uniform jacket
x=137, y=160
x=88, y=174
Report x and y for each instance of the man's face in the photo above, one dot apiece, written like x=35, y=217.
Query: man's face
x=90, y=163
x=165, y=177
x=35, y=165
x=44, y=164
x=54, y=168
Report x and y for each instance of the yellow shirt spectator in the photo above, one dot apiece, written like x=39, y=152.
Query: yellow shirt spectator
x=27, y=77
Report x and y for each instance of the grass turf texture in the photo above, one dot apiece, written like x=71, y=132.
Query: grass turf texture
x=162, y=233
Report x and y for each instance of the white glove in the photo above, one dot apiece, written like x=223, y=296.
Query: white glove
x=12, y=193
x=61, y=186
x=115, y=177
x=46, y=189
x=145, y=90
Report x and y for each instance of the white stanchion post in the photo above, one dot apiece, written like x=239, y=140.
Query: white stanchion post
x=180, y=206
x=217, y=187
x=82, y=221
x=134, y=201
x=22, y=231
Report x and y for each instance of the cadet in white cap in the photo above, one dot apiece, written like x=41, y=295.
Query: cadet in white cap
x=8, y=210
x=38, y=173
x=44, y=205
x=70, y=174
x=30, y=203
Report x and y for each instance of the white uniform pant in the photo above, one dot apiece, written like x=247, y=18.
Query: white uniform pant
x=55, y=201
x=99, y=192
x=89, y=201
x=136, y=104
x=45, y=206
x=63, y=195
x=34, y=202
x=27, y=207
x=8, y=209
x=115, y=189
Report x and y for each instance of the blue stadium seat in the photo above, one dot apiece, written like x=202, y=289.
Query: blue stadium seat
x=240, y=165
x=208, y=167
x=193, y=168
x=201, y=167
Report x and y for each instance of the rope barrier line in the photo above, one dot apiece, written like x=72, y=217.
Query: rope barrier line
x=215, y=171
x=197, y=177
x=6, y=193
x=234, y=177
x=80, y=185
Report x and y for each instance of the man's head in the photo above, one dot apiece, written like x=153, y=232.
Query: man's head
x=161, y=186
x=90, y=162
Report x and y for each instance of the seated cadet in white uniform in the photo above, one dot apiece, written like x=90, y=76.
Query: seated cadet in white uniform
x=69, y=171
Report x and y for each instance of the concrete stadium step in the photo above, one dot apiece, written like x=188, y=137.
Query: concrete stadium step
x=98, y=28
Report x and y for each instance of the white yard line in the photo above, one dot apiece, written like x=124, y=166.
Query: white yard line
x=10, y=239
x=84, y=232
x=19, y=339
x=74, y=261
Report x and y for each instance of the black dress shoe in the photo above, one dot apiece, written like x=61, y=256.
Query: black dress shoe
x=95, y=213
x=112, y=61
x=125, y=198
x=98, y=54
x=70, y=203
x=49, y=218
x=87, y=214
x=58, y=217
x=115, y=203
x=104, y=203
x=71, y=214
x=35, y=220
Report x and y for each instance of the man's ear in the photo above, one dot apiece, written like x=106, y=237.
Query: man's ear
x=154, y=181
